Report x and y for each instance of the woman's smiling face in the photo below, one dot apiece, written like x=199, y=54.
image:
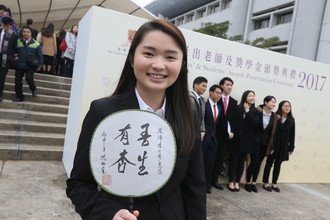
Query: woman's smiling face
x=157, y=62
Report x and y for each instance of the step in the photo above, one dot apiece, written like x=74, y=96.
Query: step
x=33, y=106
x=41, y=90
x=30, y=152
x=46, y=77
x=30, y=126
x=39, y=98
x=31, y=138
x=42, y=83
x=37, y=116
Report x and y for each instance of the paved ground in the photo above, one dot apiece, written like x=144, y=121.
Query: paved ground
x=36, y=190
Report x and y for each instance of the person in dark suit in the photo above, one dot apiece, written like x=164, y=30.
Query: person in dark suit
x=246, y=123
x=197, y=101
x=7, y=49
x=225, y=129
x=283, y=145
x=154, y=78
x=212, y=115
x=263, y=141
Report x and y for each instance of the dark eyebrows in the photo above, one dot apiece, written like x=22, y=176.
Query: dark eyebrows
x=154, y=49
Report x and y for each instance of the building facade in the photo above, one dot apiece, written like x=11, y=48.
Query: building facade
x=303, y=26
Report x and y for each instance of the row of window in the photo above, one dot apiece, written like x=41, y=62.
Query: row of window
x=203, y=12
x=280, y=19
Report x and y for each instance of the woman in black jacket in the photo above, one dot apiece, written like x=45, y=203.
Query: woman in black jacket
x=246, y=122
x=283, y=144
x=263, y=140
x=156, y=74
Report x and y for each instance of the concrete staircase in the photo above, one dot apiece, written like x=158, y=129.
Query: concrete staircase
x=34, y=129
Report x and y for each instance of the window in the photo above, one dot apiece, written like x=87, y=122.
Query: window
x=190, y=17
x=284, y=18
x=214, y=8
x=225, y=4
x=180, y=21
x=282, y=50
x=262, y=23
x=201, y=13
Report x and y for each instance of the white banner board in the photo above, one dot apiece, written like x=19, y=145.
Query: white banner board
x=103, y=43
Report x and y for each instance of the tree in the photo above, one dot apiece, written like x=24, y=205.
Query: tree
x=216, y=30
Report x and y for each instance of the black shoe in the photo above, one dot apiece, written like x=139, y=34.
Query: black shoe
x=231, y=189
x=34, y=93
x=267, y=188
x=217, y=186
x=208, y=191
x=254, y=188
x=18, y=99
x=276, y=189
x=237, y=189
x=247, y=187
x=1, y=98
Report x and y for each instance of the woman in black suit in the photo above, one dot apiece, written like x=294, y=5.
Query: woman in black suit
x=283, y=144
x=246, y=122
x=263, y=141
x=155, y=74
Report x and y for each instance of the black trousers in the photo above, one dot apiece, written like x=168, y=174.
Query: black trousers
x=271, y=159
x=236, y=166
x=68, y=67
x=29, y=77
x=219, y=160
x=209, y=151
x=256, y=160
x=3, y=74
x=59, y=67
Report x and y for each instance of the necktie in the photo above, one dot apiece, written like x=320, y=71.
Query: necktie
x=214, y=112
x=3, y=40
x=200, y=107
x=225, y=104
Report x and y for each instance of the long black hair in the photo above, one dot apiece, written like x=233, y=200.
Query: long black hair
x=279, y=110
x=178, y=109
x=48, y=31
x=244, y=97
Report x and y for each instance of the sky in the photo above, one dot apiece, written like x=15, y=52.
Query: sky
x=142, y=3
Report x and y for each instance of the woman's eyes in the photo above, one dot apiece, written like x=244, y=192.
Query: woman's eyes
x=171, y=58
x=150, y=54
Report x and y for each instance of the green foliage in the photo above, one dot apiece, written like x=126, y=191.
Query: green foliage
x=236, y=38
x=216, y=30
x=266, y=43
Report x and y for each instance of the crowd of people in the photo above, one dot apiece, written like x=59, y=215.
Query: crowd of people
x=238, y=136
x=28, y=51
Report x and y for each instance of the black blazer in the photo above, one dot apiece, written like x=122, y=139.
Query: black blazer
x=263, y=135
x=11, y=47
x=246, y=129
x=210, y=124
x=222, y=124
x=182, y=197
x=284, y=139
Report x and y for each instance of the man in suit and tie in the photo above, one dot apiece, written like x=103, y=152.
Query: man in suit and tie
x=225, y=128
x=212, y=115
x=198, y=103
x=7, y=48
